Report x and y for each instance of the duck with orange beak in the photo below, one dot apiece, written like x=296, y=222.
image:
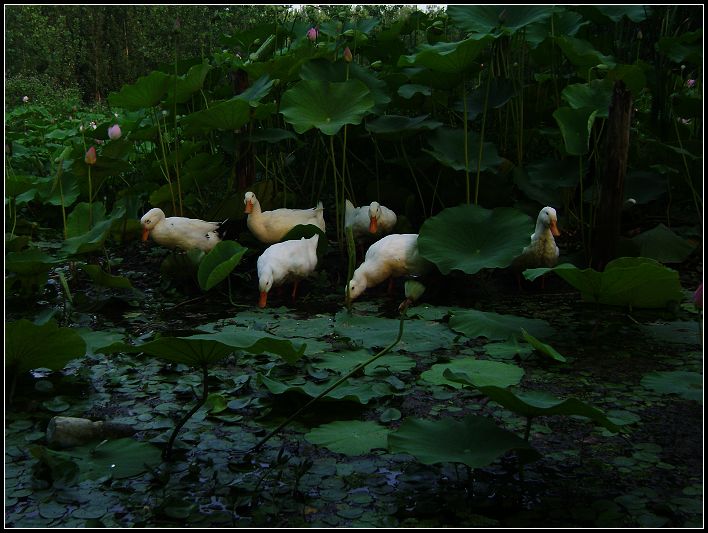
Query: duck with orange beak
x=181, y=232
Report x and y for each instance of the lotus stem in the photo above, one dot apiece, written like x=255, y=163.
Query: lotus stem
x=332, y=387
x=481, y=135
x=167, y=453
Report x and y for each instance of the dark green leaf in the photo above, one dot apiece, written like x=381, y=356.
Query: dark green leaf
x=688, y=385
x=219, y=263
x=29, y=346
x=480, y=371
x=350, y=437
x=494, y=20
x=664, y=245
x=146, y=92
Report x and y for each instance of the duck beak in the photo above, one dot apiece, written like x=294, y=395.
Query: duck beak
x=554, y=229
x=373, y=225
x=249, y=207
x=146, y=234
x=262, y=299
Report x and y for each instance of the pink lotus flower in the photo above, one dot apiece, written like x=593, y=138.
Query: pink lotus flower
x=690, y=83
x=114, y=132
x=90, y=158
x=698, y=297
x=348, y=55
x=312, y=34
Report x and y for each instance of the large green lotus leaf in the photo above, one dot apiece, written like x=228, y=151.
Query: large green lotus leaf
x=229, y=115
x=324, y=70
x=326, y=106
x=350, y=437
x=683, y=48
x=377, y=332
x=409, y=90
x=450, y=58
x=343, y=362
x=88, y=242
x=544, y=181
x=188, y=84
x=252, y=341
x=664, y=245
x=29, y=346
x=501, y=90
x=349, y=390
x=271, y=135
x=255, y=93
x=635, y=13
x=632, y=75
x=448, y=147
x=582, y=54
x=596, y=94
x=494, y=20
x=475, y=441
x=219, y=263
x=146, y=92
x=563, y=23
x=98, y=340
x=474, y=323
x=29, y=262
x=632, y=281
x=399, y=127
x=542, y=347
x=120, y=458
x=470, y=238
x=104, y=279
x=478, y=370
x=77, y=223
x=575, y=126
x=688, y=385
x=537, y=403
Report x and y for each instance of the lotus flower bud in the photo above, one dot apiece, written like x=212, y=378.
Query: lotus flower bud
x=690, y=83
x=312, y=34
x=90, y=158
x=114, y=132
x=698, y=297
x=25, y=99
x=414, y=289
x=348, y=55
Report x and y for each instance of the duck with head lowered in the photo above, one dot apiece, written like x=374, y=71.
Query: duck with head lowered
x=394, y=255
x=181, y=232
x=286, y=261
x=271, y=226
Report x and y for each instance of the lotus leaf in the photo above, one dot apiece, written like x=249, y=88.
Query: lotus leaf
x=474, y=441
x=537, y=403
x=104, y=279
x=635, y=13
x=450, y=58
x=188, y=84
x=688, y=385
x=326, y=106
x=28, y=346
x=397, y=126
x=481, y=371
x=575, y=126
x=248, y=340
x=542, y=347
x=494, y=20
x=342, y=362
x=349, y=390
x=350, y=437
x=596, y=94
x=470, y=238
x=664, y=245
x=582, y=54
x=218, y=263
x=633, y=281
x=146, y=92
x=564, y=23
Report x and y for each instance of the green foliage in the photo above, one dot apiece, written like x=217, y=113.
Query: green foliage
x=29, y=346
x=474, y=441
x=662, y=244
x=479, y=371
x=442, y=242
x=350, y=437
x=633, y=281
x=687, y=385
x=219, y=263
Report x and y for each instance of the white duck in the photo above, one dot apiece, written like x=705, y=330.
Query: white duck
x=372, y=220
x=394, y=255
x=181, y=232
x=286, y=261
x=542, y=252
x=271, y=226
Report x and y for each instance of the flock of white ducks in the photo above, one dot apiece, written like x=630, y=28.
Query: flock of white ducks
x=290, y=261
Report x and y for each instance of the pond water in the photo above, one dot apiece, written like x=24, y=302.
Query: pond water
x=648, y=475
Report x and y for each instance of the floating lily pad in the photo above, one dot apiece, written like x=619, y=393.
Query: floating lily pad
x=342, y=362
x=474, y=323
x=491, y=238
x=479, y=371
x=349, y=390
x=688, y=385
x=474, y=441
x=350, y=437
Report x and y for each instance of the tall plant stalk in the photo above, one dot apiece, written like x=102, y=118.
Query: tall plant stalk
x=481, y=134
